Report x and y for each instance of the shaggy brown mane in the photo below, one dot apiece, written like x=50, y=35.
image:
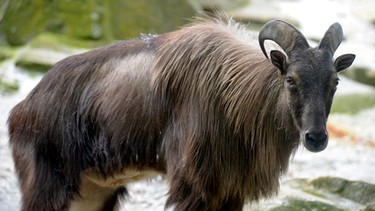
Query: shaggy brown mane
x=239, y=77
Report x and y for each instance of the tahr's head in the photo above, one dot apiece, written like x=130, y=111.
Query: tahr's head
x=309, y=77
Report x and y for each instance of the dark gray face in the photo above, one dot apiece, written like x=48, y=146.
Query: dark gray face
x=310, y=83
x=308, y=77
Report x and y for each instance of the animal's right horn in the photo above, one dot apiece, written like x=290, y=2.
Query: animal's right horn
x=284, y=34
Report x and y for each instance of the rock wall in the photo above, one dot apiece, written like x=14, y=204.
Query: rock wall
x=104, y=20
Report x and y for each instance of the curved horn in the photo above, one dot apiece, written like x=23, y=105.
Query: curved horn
x=284, y=34
x=332, y=38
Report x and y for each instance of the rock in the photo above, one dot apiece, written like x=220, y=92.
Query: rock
x=296, y=204
x=3, y=56
x=144, y=16
x=213, y=5
x=353, y=103
x=370, y=207
x=362, y=75
x=21, y=20
x=323, y=193
x=6, y=52
x=43, y=51
x=357, y=191
x=91, y=19
x=352, y=97
x=258, y=12
x=8, y=86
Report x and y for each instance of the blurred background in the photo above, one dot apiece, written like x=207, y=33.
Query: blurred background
x=34, y=34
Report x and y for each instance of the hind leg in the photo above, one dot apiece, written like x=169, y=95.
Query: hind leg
x=42, y=187
x=93, y=196
x=46, y=189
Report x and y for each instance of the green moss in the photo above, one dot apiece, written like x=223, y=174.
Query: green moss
x=358, y=191
x=4, y=55
x=46, y=49
x=362, y=75
x=92, y=20
x=48, y=40
x=314, y=193
x=8, y=87
x=7, y=52
x=79, y=18
x=370, y=207
x=22, y=20
x=294, y=204
x=60, y=42
x=32, y=66
x=146, y=16
x=333, y=185
x=352, y=103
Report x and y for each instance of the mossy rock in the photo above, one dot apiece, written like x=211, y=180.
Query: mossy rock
x=370, y=207
x=353, y=103
x=147, y=16
x=362, y=75
x=33, y=66
x=22, y=20
x=358, y=191
x=323, y=193
x=8, y=87
x=92, y=20
x=295, y=204
x=44, y=51
x=3, y=55
x=7, y=52
x=214, y=5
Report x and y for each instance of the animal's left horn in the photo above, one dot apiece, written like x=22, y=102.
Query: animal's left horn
x=284, y=34
x=332, y=38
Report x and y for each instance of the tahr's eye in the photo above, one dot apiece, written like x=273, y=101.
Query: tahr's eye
x=290, y=81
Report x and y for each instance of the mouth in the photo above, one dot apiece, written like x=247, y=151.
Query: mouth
x=315, y=141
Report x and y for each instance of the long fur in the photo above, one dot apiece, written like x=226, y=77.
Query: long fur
x=201, y=105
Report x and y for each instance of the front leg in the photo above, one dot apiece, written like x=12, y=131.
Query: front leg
x=200, y=194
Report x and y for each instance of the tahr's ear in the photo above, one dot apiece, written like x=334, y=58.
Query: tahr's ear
x=278, y=59
x=344, y=61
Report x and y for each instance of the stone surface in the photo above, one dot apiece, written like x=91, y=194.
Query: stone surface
x=7, y=86
x=43, y=51
x=364, y=75
x=323, y=193
x=105, y=20
x=353, y=103
x=212, y=5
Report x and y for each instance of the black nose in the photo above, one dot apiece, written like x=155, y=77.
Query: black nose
x=316, y=141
